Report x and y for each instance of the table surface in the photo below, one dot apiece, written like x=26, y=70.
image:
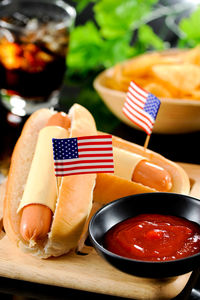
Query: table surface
x=179, y=148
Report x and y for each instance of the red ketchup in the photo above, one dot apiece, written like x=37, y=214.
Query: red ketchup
x=154, y=237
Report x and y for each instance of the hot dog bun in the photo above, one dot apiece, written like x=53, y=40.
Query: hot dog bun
x=116, y=187
x=76, y=192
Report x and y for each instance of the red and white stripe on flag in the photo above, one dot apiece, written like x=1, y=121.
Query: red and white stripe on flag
x=83, y=155
x=141, y=107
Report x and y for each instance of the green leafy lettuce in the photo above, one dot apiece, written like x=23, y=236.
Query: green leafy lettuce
x=108, y=39
x=190, y=28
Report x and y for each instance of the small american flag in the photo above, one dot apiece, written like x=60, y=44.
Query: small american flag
x=83, y=155
x=141, y=107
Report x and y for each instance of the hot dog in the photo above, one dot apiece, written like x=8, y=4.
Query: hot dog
x=63, y=221
x=120, y=183
x=139, y=169
x=36, y=218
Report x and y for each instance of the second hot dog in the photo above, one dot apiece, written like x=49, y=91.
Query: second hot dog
x=138, y=168
x=130, y=177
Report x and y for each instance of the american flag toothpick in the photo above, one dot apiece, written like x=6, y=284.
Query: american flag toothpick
x=141, y=107
x=83, y=155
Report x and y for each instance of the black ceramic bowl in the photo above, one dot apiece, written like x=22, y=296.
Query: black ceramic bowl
x=158, y=203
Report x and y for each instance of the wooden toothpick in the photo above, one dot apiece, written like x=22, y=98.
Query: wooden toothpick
x=146, y=142
x=58, y=182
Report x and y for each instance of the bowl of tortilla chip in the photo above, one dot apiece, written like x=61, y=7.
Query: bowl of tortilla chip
x=173, y=76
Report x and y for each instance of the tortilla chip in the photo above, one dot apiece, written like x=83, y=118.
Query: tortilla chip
x=184, y=77
x=158, y=90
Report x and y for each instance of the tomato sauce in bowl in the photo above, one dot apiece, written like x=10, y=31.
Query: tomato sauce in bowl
x=170, y=249
x=154, y=237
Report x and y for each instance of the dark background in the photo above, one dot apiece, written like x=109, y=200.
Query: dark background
x=177, y=147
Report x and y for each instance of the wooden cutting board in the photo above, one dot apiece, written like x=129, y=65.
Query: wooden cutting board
x=90, y=272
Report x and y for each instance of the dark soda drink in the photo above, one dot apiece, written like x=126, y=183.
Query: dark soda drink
x=29, y=70
x=33, y=46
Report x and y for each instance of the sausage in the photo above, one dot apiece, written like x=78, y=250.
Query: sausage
x=35, y=222
x=59, y=119
x=152, y=175
x=36, y=219
x=135, y=167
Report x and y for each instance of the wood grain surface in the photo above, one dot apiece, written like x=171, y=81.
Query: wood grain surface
x=90, y=272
